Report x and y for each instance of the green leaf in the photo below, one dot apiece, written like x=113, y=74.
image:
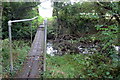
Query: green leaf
x=107, y=73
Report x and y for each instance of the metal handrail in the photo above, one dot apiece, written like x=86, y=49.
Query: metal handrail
x=22, y=20
x=10, y=37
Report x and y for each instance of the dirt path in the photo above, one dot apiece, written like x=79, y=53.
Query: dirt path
x=33, y=65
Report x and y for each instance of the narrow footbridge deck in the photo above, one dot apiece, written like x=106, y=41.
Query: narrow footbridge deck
x=33, y=65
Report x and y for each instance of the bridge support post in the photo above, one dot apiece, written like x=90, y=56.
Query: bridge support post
x=10, y=43
x=45, y=38
x=31, y=32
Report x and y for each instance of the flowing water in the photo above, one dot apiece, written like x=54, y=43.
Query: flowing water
x=91, y=49
x=50, y=50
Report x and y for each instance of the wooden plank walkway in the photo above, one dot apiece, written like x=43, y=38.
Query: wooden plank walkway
x=33, y=65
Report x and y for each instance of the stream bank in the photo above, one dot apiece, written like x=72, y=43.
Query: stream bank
x=63, y=47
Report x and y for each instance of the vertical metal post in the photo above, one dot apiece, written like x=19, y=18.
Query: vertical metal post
x=45, y=37
x=10, y=43
x=10, y=38
x=31, y=32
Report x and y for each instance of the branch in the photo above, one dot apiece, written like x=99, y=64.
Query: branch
x=105, y=7
x=117, y=16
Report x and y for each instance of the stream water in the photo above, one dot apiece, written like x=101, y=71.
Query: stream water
x=91, y=49
x=50, y=49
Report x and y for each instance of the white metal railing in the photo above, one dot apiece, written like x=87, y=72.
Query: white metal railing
x=10, y=37
x=45, y=38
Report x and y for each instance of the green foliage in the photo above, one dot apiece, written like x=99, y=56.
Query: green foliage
x=51, y=30
x=108, y=36
x=16, y=11
x=75, y=17
x=81, y=66
x=19, y=51
x=82, y=17
x=68, y=19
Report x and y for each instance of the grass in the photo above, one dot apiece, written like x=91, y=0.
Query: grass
x=20, y=50
x=81, y=66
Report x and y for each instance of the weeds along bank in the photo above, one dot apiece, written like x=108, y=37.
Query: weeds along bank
x=89, y=66
x=20, y=50
x=104, y=63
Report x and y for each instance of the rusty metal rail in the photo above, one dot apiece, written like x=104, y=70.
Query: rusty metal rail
x=33, y=65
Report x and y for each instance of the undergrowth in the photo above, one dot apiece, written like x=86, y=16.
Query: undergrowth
x=20, y=50
x=81, y=66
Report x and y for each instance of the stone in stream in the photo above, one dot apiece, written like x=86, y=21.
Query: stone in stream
x=50, y=50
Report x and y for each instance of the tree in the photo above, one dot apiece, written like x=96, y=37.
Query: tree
x=19, y=10
x=72, y=18
x=84, y=16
